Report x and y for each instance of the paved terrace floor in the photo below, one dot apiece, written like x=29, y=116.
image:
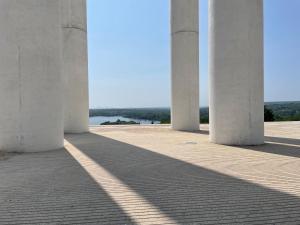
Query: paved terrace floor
x=152, y=175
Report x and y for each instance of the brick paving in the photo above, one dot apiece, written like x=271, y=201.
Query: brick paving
x=153, y=175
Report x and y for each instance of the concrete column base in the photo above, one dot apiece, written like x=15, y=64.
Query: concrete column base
x=31, y=112
x=236, y=72
x=75, y=66
x=185, y=65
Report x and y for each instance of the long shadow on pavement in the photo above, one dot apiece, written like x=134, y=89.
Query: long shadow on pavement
x=52, y=188
x=188, y=193
x=279, y=146
x=274, y=145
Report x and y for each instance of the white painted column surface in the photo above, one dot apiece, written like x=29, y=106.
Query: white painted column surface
x=31, y=111
x=185, y=65
x=236, y=72
x=75, y=66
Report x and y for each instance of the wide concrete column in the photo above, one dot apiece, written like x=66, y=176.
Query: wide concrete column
x=185, y=64
x=75, y=66
x=31, y=112
x=236, y=72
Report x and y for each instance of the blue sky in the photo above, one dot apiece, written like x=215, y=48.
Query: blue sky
x=129, y=52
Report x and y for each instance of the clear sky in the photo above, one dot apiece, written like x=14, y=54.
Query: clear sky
x=129, y=52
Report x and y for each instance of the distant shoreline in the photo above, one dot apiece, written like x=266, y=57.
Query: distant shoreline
x=280, y=111
x=167, y=107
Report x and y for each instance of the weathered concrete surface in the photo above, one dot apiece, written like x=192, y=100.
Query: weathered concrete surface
x=31, y=112
x=185, y=64
x=75, y=66
x=236, y=71
x=153, y=175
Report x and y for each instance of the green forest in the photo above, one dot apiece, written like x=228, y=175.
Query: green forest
x=275, y=111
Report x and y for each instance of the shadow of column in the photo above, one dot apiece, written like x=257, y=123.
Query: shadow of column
x=188, y=193
x=52, y=188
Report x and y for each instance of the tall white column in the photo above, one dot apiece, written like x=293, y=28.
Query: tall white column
x=185, y=64
x=236, y=72
x=31, y=113
x=75, y=66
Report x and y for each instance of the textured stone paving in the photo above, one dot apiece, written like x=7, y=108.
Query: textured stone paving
x=152, y=175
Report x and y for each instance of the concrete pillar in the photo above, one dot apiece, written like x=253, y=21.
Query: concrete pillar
x=185, y=64
x=31, y=111
x=75, y=66
x=236, y=72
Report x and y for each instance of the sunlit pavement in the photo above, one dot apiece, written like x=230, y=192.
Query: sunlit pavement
x=153, y=175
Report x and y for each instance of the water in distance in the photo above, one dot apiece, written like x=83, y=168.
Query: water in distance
x=98, y=120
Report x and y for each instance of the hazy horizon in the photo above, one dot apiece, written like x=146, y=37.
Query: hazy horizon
x=129, y=53
x=168, y=107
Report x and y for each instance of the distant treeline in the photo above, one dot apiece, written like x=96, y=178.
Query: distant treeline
x=276, y=111
x=284, y=111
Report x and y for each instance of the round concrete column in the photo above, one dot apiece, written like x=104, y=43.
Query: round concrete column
x=31, y=111
x=75, y=66
x=185, y=64
x=236, y=72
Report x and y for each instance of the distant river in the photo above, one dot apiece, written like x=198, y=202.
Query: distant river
x=97, y=120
